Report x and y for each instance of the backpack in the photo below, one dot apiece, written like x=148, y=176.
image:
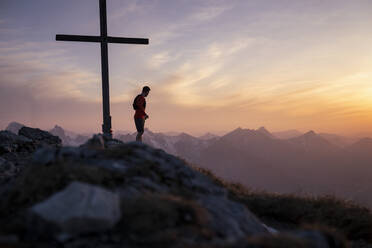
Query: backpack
x=134, y=103
x=135, y=107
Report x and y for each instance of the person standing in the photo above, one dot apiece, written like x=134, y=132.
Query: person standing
x=139, y=104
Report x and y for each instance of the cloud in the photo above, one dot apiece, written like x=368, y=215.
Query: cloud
x=208, y=13
x=124, y=8
x=40, y=88
x=26, y=64
x=201, y=79
x=159, y=59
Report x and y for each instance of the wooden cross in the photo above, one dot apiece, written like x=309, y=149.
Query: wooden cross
x=103, y=39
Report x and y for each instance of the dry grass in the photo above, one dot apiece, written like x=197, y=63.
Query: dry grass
x=51, y=179
x=352, y=220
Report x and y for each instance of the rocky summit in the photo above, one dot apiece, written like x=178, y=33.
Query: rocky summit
x=107, y=193
x=16, y=149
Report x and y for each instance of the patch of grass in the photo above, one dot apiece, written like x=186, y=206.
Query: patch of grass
x=118, y=152
x=352, y=220
x=162, y=220
x=38, y=182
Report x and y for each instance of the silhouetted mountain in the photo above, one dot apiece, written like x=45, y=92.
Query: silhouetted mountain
x=14, y=127
x=312, y=143
x=361, y=149
x=287, y=134
x=67, y=140
x=264, y=131
x=251, y=155
x=172, y=133
x=308, y=163
x=183, y=145
x=208, y=136
x=338, y=140
x=58, y=131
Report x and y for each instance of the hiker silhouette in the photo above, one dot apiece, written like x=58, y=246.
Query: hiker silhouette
x=139, y=105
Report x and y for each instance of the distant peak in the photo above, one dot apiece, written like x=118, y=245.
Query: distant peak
x=183, y=134
x=263, y=130
x=365, y=140
x=310, y=133
x=15, y=123
x=208, y=135
x=14, y=127
x=239, y=129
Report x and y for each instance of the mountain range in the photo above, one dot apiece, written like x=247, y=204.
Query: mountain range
x=283, y=162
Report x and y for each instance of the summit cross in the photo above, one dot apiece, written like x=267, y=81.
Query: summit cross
x=103, y=39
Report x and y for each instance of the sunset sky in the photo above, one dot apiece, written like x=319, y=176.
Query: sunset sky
x=212, y=65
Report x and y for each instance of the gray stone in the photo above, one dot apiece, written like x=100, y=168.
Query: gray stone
x=96, y=142
x=113, y=143
x=99, y=141
x=6, y=167
x=81, y=208
x=231, y=220
x=44, y=156
x=10, y=142
x=40, y=137
x=7, y=171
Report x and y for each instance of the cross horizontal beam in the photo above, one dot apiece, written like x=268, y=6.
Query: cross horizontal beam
x=108, y=39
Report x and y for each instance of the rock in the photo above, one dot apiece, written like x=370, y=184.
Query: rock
x=81, y=208
x=10, y=142
x=6, y=167
x=66, y=195
x=99, y=141
x=231, y=220
x=140, y=175
x=40, y=137
x=14, y=127
x=7, y=170
x=96, y=142
x=113, y=143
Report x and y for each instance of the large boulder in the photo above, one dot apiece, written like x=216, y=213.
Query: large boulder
x=10, y=142
x=40, y=137
x=80, y=208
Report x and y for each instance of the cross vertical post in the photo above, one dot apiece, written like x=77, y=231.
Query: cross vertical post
x=104, y=40
x=106, y=127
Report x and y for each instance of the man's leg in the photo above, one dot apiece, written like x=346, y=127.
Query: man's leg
x=139, y=136
x=140, y=125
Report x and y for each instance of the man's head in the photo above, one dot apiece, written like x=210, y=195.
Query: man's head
x=145, y=90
